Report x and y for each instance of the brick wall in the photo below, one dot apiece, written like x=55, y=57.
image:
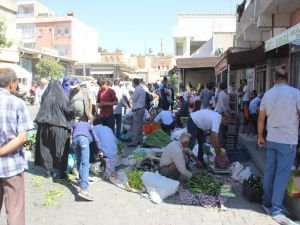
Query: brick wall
x=295, y=17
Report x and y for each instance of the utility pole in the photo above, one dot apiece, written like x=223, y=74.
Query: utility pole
x=161, y=46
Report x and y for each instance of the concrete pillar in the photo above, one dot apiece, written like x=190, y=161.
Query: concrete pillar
x=187, y=46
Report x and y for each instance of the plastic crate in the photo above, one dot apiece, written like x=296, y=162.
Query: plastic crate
x=240, y=155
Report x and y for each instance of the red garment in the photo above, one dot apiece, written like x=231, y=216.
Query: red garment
x=108, y=95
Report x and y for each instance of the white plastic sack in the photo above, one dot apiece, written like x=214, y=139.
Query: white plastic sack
x=244, y=174
x=236, y=168
x=158, y=186
x=177, y=132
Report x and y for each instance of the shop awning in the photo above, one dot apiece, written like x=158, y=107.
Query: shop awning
x=240, y=60
x=207, y=62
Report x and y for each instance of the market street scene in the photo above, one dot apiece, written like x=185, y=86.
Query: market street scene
x=153, y=113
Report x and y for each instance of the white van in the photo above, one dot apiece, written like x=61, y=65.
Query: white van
x=25, y=77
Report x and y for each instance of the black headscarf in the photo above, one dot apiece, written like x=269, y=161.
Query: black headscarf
x=55, y=107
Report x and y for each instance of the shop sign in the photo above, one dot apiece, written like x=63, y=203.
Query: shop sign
x=283, y=38
x=222, y=66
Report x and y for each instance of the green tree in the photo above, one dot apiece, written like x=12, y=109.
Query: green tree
x=175, y=82
x=4, y=42
x=48, y=67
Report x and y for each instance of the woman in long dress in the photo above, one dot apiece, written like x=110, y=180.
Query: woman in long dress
x=53, y=139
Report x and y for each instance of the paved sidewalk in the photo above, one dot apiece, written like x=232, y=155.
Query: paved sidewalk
x=114, y=206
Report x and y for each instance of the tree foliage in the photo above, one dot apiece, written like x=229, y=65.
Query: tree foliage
x=4, y=42
x=175, y=82
x=48, y=67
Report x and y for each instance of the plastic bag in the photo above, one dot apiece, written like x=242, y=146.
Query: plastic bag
x=236, y=168
x=158, y=186
x=293, y=187
x=244, y=174
x=121, y=180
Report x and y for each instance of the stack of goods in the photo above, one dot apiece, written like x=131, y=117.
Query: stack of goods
x=158, y=139
x=148, y=164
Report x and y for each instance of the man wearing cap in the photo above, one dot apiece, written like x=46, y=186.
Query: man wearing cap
x=14, y=123
x=281, y=105
x=106, y=99
x=175, y=159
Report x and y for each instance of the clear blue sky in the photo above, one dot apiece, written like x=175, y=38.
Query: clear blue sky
x=136, y=25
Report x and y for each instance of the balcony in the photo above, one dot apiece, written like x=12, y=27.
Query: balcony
x=247, y=20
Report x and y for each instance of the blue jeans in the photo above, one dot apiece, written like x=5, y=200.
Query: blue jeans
x=280, y=158
x=80, y=145
x=118, y=120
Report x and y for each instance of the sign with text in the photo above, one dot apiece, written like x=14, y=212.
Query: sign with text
x=283, y=38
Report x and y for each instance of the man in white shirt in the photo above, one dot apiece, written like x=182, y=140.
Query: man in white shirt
x=166, y=120
x=138, y=109
x=222, y=105
x=175, y=158
x=41, y=89
x=245, y=99
x=281, y=105
x=122, y=100
x=205, y=120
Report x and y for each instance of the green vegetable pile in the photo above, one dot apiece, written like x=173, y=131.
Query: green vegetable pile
x=203, y=183
x=138, y=155
x=157, y=138
x=121, y=149
x=134, y=179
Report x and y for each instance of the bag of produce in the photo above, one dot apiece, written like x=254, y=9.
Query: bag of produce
x=293, y=187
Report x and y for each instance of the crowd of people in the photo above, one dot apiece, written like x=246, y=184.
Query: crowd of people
x=86, y=118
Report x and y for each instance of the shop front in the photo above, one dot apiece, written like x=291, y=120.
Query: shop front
x=234, y=66
x=283, y=51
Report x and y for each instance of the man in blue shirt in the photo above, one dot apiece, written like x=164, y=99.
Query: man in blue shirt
x=108, y=144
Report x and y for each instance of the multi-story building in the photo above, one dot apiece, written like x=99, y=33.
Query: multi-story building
x=267, y=37
x=9, y=53
x=198, y=41
x=39, y=28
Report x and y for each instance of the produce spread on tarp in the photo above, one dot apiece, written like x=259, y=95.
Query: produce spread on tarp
x=204, y=189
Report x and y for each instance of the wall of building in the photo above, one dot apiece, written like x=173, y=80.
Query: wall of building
x=223, y=41
x=295, y=17
x=8, y=14
x=187, y=38
x=84, y=42
x=196, y=76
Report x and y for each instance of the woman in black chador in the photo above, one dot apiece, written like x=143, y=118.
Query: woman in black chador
x=53, y=119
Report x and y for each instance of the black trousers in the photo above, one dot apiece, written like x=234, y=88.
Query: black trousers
x=196, y=133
